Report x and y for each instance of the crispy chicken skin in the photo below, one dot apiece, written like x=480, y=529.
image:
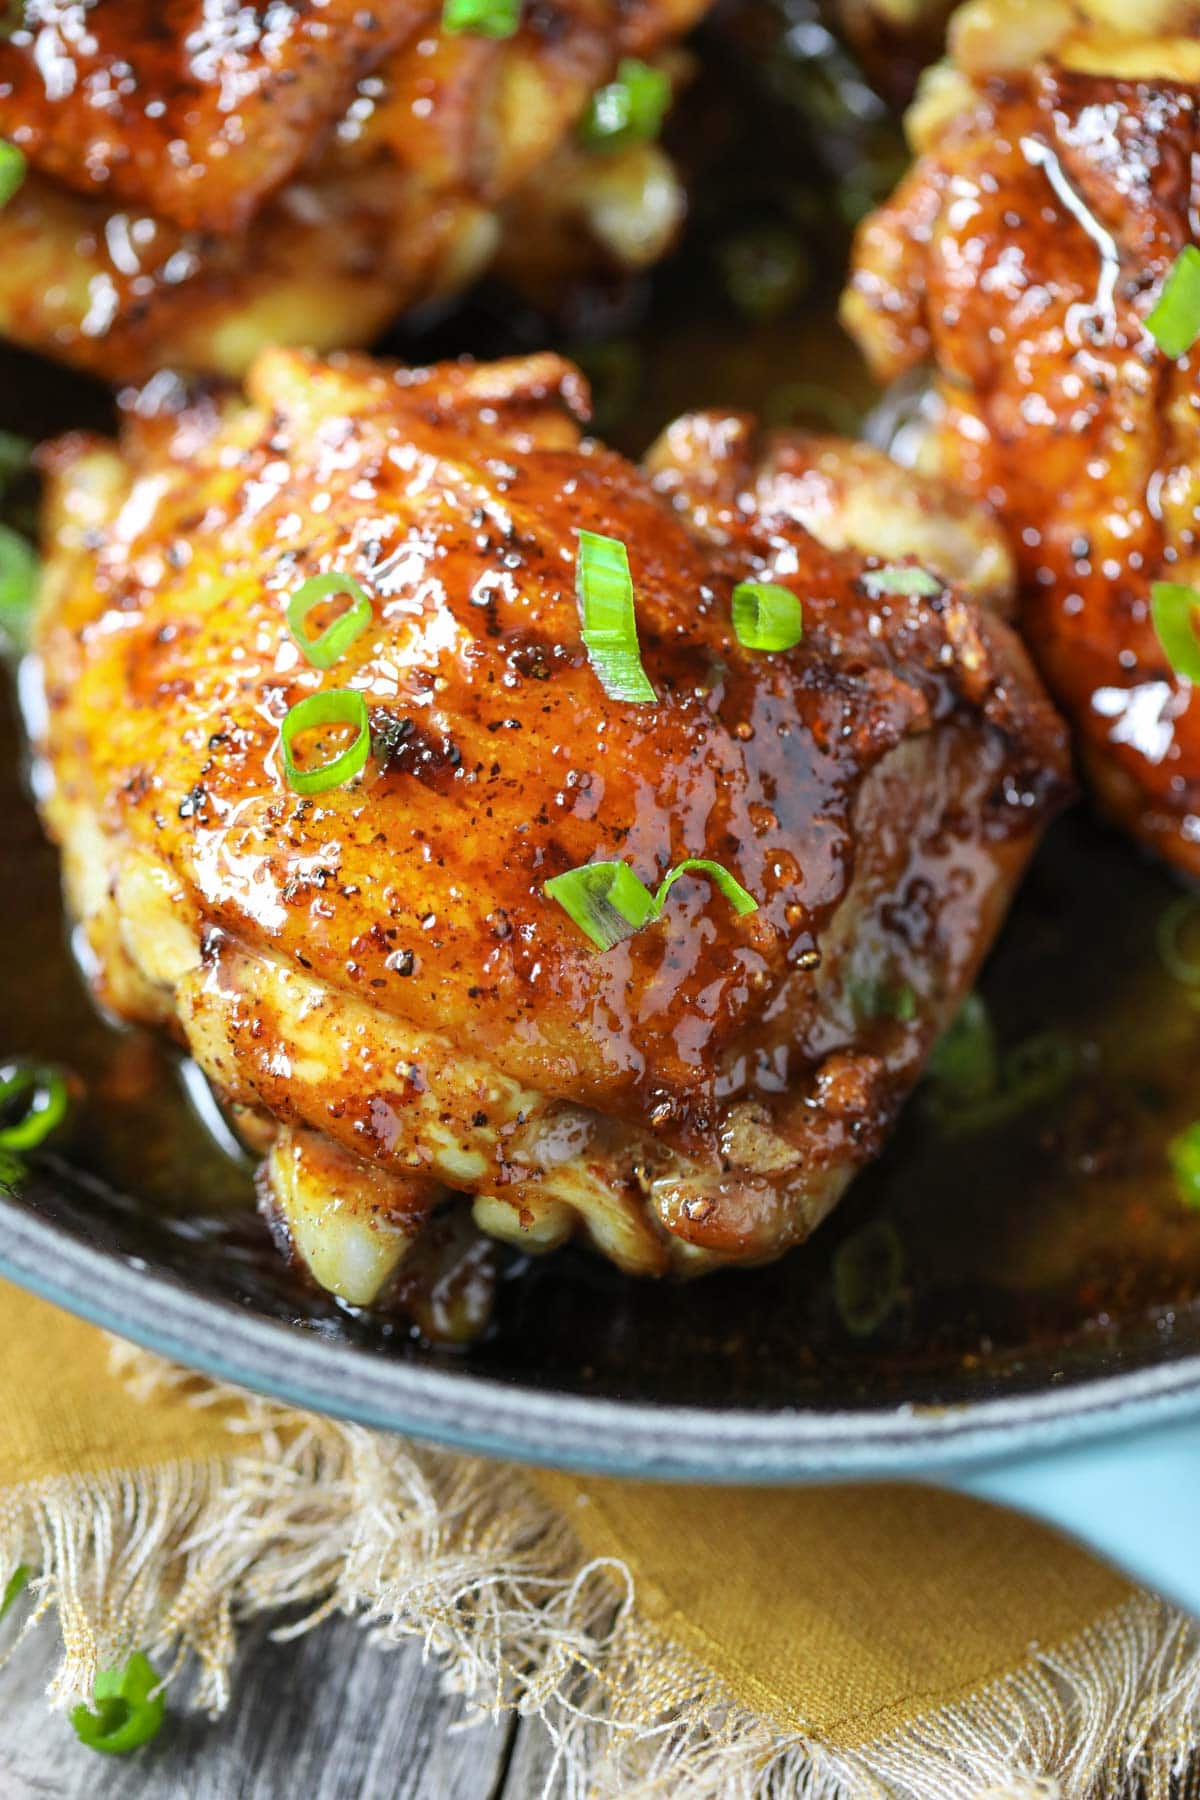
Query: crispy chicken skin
x=208, y=179
x=376, y=971
x=1055, y=186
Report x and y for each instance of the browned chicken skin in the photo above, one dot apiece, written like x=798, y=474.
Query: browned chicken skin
x=1056, y=185
x=209, y=180
x=377, y=971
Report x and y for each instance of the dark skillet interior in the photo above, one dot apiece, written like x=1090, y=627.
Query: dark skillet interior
x=1054, y=1246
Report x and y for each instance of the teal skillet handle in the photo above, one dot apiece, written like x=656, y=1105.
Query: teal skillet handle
x=1134, y=1499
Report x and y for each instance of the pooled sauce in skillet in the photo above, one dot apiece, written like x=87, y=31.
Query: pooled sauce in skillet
x=971, y=1260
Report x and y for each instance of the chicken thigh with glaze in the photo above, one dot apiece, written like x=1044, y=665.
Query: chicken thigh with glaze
x=1057, y=182
x=206, y=181
x=375, y=975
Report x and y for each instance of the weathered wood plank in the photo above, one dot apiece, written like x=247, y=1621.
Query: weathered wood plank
x=327, y=1717
x=532, y=1772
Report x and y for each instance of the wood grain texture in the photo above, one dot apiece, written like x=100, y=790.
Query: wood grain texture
x=327, y=1717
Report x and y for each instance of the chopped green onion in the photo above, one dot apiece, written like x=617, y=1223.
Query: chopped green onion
x=332, y=706
x=878, y=1000
x=605, y=589
x=1180, y=919
x=45, y=1095
x=128, y=1711
x=14, y=1586
x=15, y=456
x=766, y=617
x=963, y=1062
x=764, y=270
x=629, y=110
x=868, y=1273
x=1183, y=1154
x=1029, y=1075
x=12, y=170
x=18, y=584
x=1175, y=322
x=900, y=578
x=605, y=899
x=734, y=892
x=609, y=902
x=1173, y=609
x=482, y=18
x=332, y=643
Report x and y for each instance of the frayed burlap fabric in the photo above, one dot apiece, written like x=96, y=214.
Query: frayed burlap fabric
x=826, y=1643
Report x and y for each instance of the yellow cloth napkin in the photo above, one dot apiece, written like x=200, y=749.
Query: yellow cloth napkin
x=882, y=1640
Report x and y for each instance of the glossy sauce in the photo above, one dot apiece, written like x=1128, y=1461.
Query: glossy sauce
x=1061, y=1229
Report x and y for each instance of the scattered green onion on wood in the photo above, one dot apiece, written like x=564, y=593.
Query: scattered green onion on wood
x=482, y=18
x=901, y=578
x=42, y=1096
x=629, y=109
x=1175, y=322
x=605, y=589
x=13, y=1587
x=766, y=616
x=609, y=902
x=12, y=170
x=1173, y=612
x=332, y=706
x=126, y=1710
x=330, y=645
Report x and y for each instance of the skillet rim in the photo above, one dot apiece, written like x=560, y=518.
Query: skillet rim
x=485, y=1415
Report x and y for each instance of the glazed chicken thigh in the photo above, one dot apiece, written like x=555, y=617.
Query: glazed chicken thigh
x=206, y=180
x=378, y=976
x=1056, y=185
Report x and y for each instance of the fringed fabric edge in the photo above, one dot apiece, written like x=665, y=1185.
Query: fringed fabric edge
x=306, y=1517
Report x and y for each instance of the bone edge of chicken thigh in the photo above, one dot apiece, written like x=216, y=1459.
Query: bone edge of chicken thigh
x=351, y=1221
x=635, y=1197
x=328, y=265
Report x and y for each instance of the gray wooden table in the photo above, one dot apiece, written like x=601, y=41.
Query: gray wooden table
x=327, y=1717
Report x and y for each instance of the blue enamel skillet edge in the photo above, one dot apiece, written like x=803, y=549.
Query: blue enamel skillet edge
x=1113, y=1459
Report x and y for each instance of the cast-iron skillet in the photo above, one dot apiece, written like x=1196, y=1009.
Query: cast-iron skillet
x=1013, y=1310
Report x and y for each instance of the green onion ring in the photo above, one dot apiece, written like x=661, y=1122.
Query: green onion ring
x=332, y=643
x=127, y=1710
x=1183, y=1154
x=609, y=902
x=766, y=616
x=12, y=170
x=47, y=1108
x=482, y=18
x=1172, y=924
x=14, y=1586
x=627, y=110
x=868, y=1276
x=605, y=590
x=1173, y=613
x=901, y=578
x=331, y=706
x=1175, y=322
